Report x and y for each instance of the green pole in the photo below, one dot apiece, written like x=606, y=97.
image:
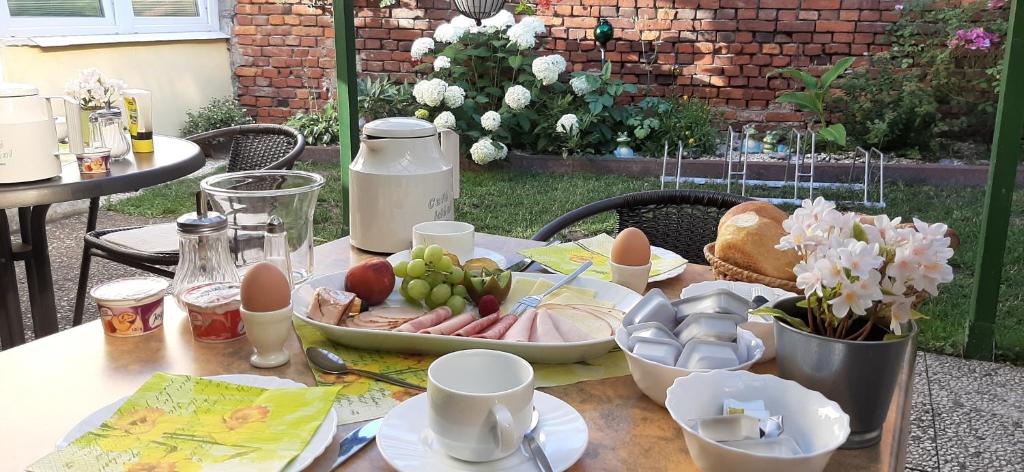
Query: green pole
x=1002, y=174
x=348, y=120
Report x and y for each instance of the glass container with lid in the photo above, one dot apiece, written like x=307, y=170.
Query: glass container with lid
x=204, y=255
x=106, y=131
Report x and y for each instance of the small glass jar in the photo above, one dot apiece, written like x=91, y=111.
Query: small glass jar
x=105, y=130
x=204, y=256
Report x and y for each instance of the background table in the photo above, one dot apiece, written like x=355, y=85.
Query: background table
x=172, y=158
x=53, y=383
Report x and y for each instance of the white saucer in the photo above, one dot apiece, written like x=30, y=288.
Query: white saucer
x=408, y=445
x=477, y=252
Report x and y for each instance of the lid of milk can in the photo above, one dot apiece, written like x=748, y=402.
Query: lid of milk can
x=399, y=127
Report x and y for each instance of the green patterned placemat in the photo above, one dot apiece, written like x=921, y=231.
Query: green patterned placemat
x=362, y=399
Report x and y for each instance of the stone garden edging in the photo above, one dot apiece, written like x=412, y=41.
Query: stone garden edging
x=931, y=174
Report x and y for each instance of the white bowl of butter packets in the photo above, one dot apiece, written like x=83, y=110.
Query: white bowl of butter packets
x=736, y=421
x=664, y=340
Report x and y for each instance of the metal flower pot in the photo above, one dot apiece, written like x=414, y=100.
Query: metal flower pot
x=859, y=375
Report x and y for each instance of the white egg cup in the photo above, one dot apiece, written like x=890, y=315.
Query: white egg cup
x=632, y=277
x=268, y=331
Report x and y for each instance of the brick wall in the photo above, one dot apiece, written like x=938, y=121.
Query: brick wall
x=718, y=49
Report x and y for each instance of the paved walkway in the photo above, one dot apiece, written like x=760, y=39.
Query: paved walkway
x=966, y=415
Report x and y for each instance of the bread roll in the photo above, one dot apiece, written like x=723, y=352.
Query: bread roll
x=748, y=241
x=763, y=209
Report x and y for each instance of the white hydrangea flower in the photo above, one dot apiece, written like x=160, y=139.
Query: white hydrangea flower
x=442, y=62
x=462, y=22
x=449, y=33
x=517, y=97
x=454, y=96
x=501, y=20
x=486, y=151
x=579, y=85
x=445, y=119
x=491, y=121
x=524, y=34
x=420, y=47
x=568, y=124
x=548, y=68
x=430, y=92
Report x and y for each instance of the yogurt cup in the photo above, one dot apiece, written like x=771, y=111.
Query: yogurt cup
x=213, y=311
x=131, y=306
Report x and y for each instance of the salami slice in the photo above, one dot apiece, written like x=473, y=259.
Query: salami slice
x=478, y=325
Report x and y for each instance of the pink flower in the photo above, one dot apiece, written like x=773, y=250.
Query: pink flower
x=973, y=39
x=899, y=7
x=996, y=4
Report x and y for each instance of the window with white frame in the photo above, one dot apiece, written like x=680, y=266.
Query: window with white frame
x=29, y=18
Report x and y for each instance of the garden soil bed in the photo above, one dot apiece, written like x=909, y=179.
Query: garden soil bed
x=929, y=174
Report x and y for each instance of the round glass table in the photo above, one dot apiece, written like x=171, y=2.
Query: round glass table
x=172, y=158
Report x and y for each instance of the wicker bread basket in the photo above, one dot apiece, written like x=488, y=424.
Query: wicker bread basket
x=725, y=271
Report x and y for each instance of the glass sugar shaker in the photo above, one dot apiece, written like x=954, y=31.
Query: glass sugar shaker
x=106, y=131
x=204, y=255
x=275, y=247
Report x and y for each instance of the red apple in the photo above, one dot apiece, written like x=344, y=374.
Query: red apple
x=371, y=280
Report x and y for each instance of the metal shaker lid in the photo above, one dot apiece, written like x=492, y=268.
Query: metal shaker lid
x=114, y=113
x=211, y=222
x=275, y=225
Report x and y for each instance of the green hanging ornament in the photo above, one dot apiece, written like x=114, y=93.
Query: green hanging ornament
x=603, y=32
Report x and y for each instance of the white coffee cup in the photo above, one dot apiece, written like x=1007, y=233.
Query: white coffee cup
x=481, y=403
x=455, y=237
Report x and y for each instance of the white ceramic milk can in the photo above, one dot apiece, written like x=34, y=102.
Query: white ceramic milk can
x=403, y=175
x=28, y=134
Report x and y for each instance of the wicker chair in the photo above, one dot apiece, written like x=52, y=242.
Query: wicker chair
x=682, y=221
x=248, y=147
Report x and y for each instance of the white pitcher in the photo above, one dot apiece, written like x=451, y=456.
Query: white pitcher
x=403, y=175
x=28, y=133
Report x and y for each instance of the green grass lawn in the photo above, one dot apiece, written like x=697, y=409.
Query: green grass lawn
x=515, y=203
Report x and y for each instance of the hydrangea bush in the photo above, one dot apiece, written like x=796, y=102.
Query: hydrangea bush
x=496, y=87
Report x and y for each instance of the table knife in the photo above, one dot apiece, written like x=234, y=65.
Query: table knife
x=355, y=441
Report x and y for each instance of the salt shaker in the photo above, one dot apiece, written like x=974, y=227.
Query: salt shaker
x=204, y=256
x=275, y=247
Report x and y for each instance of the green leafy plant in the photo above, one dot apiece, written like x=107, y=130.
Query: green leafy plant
x=320, y=128
x=815, y=96
x=381, y=97
x=219, y=113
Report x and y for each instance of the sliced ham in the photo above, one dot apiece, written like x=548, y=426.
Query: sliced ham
x=431, y=318
x=544, y=330
x=498, y=329
x=568, y=330
x=451, y=325
x=523, y=327
x=478, y=325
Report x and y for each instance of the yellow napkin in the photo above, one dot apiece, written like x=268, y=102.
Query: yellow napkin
x=185, y=424
x=567, y=257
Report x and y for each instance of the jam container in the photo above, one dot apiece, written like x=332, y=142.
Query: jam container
x=131, y=306
x=94, y=160
x=213, y=311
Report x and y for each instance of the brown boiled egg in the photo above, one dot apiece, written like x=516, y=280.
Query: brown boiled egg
x=631, y=248
x=265, y=289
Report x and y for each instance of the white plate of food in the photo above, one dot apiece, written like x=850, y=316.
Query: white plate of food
x=372, y=329
x=317, y=444
x=478, y=252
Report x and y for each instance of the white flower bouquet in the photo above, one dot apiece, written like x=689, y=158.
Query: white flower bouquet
x=92, y=90
x=858, y=272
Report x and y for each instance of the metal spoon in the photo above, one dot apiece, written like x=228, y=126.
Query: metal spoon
x=535, y=450
x=331, y=363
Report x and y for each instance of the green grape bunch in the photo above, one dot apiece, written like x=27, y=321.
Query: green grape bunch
x=432, y=278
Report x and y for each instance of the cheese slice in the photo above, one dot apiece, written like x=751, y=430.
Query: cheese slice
x=561, y=297
x=521, y=287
